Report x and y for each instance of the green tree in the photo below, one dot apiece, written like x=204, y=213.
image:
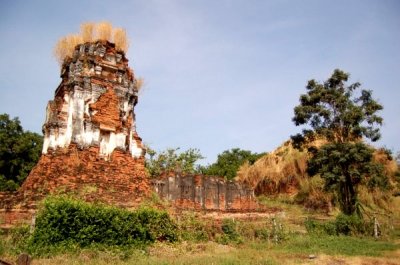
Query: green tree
x=336, y=112
x=229, y=161
x=19, y=152
x=171, y=160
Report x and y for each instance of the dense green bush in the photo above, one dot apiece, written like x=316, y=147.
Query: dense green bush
x=351, y=225
x=342, y=225
x=230, y=232
x=65, y=221
x=192, y=228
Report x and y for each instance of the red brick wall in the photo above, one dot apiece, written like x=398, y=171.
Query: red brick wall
x=205, y=193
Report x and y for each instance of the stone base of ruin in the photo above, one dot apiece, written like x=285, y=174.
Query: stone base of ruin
x=119, y=180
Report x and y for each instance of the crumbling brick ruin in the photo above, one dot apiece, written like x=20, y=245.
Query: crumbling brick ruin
x=91, y=146
x=208, y=193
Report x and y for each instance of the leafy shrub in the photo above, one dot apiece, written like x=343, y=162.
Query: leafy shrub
x=193, y=229
x=69, y=223
x=342, y=225
x=350, y=225
x=262, y=233
x=314, y=227
x=230, y=233
x=19, y=237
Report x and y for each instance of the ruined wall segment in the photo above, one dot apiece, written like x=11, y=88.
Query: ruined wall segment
x=94, y=104
x=210, y=193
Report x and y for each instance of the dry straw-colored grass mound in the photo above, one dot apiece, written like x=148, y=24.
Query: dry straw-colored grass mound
x=90, y=32
x=285, y=171
x=278, y=171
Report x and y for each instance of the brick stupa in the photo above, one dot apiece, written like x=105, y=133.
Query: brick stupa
x=91, y=147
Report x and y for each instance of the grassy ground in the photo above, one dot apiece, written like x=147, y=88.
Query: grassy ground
x=295, y=245
x=296, y=250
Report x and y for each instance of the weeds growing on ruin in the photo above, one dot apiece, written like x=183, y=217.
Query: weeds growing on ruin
x=104, y=30
x=121, y=39
x=89, y=32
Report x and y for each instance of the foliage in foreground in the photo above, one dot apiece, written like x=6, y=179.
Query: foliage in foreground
x=64, y=222
x=19, y=152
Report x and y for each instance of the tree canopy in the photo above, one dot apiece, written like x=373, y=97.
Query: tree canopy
x=19, y=152
x=229, y=161
x=227, y=164
x=333, y=110
x=172, y=160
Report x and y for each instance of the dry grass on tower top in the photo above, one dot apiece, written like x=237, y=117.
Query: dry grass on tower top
x=90, y=32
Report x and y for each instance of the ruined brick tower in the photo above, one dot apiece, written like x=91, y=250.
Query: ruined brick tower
x=94, y=104
x=91, y=146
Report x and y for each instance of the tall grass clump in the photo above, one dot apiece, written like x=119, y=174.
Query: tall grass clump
x=90, y=32
x=65, y=47
x=121, y=39
x=104, y=30
x=87, y=31
x=69, y=223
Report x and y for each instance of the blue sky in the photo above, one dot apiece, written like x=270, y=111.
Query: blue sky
x=218, y=74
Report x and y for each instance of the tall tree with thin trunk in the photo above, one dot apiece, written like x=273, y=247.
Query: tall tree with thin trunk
x=344, y=115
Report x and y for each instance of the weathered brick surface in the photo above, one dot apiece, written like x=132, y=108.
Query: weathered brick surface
x=205, y=193
x=91, y=148
x=12, y=217
x=121, y=180
x=106, y=110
